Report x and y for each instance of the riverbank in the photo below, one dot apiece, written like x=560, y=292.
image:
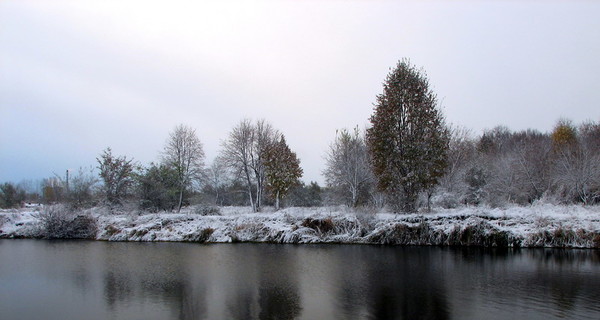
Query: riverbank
x=540, y=225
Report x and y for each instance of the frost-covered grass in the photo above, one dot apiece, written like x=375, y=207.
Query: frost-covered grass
x=540, y=225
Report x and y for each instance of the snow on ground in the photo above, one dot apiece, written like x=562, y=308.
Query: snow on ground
x=539, y=225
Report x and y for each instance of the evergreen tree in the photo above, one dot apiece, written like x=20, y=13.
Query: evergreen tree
x=282, y=169
x=408, y=140
x=158, y=188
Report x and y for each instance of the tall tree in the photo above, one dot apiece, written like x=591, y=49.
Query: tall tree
x=264, y=136
x=244, y=152
x=348, y=166
x=408, y=139
x=237, y=152
x=116, y=174
x=184, y=153
x=282, y=169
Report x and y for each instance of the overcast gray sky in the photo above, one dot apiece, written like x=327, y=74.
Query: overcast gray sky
x=79, y=76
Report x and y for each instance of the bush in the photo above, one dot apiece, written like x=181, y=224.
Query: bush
x=207, y=210
x=59, y=223
x=201, y=235
x=320, y=225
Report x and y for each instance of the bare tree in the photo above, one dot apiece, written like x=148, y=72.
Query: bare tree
x=184, y=153
x=244, y=152
x=217, y=177
x=237, y=153
x=576, y=159
x=264, y=137
x=348, y=165
x=82, y=188
x=461, y=151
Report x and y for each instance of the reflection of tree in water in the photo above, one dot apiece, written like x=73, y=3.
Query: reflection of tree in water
x=242, y=303
x=278, y=301
x=163, y=281
x=391, y=283
x=265, y=285
x=278, y=285
x=193, y=302
x=556, y=270
x=407, y=285
x=117, y=288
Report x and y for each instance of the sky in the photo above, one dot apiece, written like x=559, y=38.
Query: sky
x=79, y=76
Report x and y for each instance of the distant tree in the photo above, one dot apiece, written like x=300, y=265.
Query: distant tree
x=11, y=196
x=184, y=153
x=302, y=195
x=82, y=188
x=564, y=136
x=244, y=152
x=576, y=164
x=52, y=190
x=408, y=140
x=216, y=179
x=461, y=154
x=158, y=188
x=476, y=180
x=116, y=174
x=347, y=166
x=282, y=169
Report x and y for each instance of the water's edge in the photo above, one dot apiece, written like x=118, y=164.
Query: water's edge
x=522, y=227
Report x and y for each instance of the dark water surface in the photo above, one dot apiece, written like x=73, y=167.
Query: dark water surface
x=104, y=280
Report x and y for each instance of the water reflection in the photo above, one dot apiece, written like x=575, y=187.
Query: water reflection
x=100, y=280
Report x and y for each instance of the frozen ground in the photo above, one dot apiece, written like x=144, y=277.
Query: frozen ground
x=540, y=225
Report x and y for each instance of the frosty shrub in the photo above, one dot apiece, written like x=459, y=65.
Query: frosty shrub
x=58, y=222
x=3, y=220
x=446, y=200
x=321, y=225
x=207, y=210
x=201, y=235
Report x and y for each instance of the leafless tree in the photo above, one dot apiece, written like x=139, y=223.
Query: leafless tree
x=217, y=177
x=264, y=137
x=461, y=154
x=237, y=153
x=82, y=187
x=184, y=153
x=576, y=159
x=244, y=152
x=348, y=165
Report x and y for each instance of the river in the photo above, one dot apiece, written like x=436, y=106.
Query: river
x=129, y=280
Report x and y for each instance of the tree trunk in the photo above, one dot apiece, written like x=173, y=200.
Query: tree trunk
x=249, y=183
x=277, y=201
x=180, y=200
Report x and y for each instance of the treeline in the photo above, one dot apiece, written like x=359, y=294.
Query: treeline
x=495, y=168
x=408, y=158
x=255, y=168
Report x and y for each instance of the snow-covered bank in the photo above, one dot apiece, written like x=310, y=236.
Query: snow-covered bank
x=541, y=225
